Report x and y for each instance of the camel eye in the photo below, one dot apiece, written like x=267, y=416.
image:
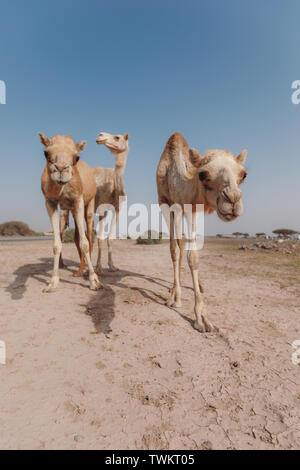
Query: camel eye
x=117, y=138
x=203, y=175
x=244, y=176
x=77, y=157
x=46, y=155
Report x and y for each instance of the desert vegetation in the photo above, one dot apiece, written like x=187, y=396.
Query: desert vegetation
x=151, y=237
x=14, y=228
x=285, y=232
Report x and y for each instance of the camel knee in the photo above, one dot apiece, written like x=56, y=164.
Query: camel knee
x=89, y=218
x=174, y=250
x=193, y=259
x=84, y=245
x=57, y=248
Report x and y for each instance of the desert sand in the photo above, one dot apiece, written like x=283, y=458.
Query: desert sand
x=117, y=369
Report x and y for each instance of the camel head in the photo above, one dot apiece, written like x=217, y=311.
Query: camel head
x=221, y=174
x=62, y=155
x=115, y=143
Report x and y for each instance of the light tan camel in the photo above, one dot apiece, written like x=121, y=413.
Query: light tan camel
x=185, y=177
x=70, y=183
x=110, y=189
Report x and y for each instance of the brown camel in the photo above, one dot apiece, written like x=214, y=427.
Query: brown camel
x=185, y=177
x=70, y=183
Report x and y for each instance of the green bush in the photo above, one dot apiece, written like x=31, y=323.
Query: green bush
x=9, y=229
x=150, y=238
x=68, y=236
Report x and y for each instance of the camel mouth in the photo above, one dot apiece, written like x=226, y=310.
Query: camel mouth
x=226, y=216
x=100, y=141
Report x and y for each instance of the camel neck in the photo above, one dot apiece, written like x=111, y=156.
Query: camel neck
x=120, y=164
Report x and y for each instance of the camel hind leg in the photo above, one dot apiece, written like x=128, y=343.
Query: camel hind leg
x=64, y=223
x=78, y=214
x=100, y=238
x=89, y=219
x=176, y=248
x=201, y=323
x=111, y=236
x=78, y=273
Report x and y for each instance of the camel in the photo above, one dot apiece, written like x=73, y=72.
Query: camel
x=185, y=177
x=110, y=188
x=69, y=182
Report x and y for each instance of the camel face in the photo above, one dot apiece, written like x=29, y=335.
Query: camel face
x=61, y=154
x=115, y=143
x=221, y=177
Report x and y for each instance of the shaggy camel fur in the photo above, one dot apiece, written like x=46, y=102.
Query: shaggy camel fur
x=70, y=183
x=185, y=177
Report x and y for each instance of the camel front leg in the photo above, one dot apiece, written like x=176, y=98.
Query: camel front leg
x=174, y=299
x=112, y=236
x=57, y=245
x=78, y=214
x=201, y=323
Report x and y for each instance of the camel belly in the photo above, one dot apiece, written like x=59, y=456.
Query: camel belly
x=66, y=204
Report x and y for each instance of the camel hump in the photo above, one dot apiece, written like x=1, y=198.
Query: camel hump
x=176, y=142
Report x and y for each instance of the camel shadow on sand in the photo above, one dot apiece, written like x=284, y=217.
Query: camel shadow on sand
x=101, y=306
x=40, y=271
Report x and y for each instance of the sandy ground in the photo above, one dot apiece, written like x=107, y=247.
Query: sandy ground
x=117, y=369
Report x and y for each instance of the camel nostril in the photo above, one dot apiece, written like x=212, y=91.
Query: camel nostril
x=226, y=197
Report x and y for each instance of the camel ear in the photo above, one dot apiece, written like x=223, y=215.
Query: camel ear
x=45, y=140
x=195, y=158
x=81, y=145
x=241, y=158
x=126, y=136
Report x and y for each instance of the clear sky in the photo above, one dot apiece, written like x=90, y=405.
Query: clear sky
x=220, y=72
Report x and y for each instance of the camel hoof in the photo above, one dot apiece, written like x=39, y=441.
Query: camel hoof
x=171, y=302
x=174, y=304
x=199, y=327
x=78, y=273
x=49, y=289
x=95, y=284
x=98, y=270
x=113, y=269
x=209, y=328
x=205, y=327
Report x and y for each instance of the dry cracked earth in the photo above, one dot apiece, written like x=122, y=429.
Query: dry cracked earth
x=117, y=369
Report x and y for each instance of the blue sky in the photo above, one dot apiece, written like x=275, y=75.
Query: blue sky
x=218, y=71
